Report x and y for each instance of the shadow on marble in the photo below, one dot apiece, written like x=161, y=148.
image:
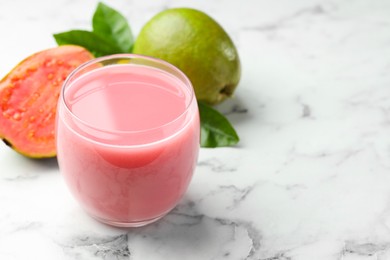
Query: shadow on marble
x=184, y=229
x=45, y=163
x=236, y=109
x=17, y=167
x=181, y=231
x=187, y=231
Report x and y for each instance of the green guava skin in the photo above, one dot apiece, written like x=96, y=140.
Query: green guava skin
x=196, y=44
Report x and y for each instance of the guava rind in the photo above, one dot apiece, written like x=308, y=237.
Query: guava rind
x=28, y=99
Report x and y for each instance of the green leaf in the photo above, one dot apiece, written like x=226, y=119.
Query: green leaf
x=216, y=131
x=89, y=40
x=112, y=26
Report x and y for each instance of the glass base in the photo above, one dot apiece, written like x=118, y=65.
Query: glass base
x=128, y=224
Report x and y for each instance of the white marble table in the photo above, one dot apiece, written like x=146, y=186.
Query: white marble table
x=310, y=178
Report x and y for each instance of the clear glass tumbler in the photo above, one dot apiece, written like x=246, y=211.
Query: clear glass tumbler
x=127, y=135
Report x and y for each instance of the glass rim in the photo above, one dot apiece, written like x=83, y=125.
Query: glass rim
x=182, y=77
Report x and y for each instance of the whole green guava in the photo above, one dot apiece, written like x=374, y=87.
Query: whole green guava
x=196, y=44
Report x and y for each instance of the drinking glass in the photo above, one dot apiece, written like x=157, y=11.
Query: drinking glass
x=127, y=136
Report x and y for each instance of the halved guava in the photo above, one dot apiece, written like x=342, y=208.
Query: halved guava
x=28, y=99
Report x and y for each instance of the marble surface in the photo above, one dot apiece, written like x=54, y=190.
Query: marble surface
x=310, y=178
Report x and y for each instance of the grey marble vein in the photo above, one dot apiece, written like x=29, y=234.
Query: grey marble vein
x=105, y=247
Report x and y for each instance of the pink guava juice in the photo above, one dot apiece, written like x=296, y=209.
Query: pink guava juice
x=127, y=138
